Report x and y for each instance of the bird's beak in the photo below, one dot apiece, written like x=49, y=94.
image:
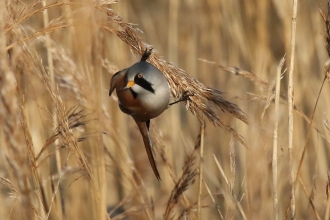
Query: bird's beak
x=129, y=84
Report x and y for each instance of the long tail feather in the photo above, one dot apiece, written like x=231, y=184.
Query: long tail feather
x=143, y=127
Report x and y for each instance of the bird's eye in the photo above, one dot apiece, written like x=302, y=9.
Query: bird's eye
x=140, y=75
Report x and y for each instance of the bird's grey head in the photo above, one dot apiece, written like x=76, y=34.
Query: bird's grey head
x=144, y=78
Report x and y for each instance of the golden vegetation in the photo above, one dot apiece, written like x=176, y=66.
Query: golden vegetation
x=68, y=152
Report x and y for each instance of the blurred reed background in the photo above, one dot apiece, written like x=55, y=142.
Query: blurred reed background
x=68, y=152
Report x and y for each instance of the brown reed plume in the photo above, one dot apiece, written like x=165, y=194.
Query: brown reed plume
x=75, y=118
x=326, y=19
x=186, y=180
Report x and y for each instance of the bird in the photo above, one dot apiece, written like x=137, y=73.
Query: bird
x=143, y=92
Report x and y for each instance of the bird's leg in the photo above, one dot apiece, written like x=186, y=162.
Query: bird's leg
x=183, y=98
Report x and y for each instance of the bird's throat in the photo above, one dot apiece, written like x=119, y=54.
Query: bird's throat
x=134, y=94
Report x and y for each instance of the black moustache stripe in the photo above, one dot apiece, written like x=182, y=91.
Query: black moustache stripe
x=144, y=84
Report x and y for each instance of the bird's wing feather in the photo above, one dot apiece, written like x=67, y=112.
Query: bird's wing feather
x=144, y=129
x=116, y=79
x=125, y=109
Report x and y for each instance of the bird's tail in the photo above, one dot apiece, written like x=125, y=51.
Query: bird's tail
x=144, y=129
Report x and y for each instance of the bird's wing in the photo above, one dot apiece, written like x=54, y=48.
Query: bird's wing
x=144, y=129
x=117, y=80
x=125, y=109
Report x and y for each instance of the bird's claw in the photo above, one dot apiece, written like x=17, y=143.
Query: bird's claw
x=185, y=97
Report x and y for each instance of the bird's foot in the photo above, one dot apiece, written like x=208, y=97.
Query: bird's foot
x=185, y=97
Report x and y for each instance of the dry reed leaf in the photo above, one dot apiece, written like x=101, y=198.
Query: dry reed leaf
x=232, y=196
x=326, y=124
x=270, y=99
x=33, y=161
x=271, y=95
x=232, y=156
x=213, y=200
x=239, y=72
x=10, y=185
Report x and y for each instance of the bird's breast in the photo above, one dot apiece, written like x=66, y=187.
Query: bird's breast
x=142, y=107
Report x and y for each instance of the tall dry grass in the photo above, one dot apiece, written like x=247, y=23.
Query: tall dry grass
x=68, y=152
